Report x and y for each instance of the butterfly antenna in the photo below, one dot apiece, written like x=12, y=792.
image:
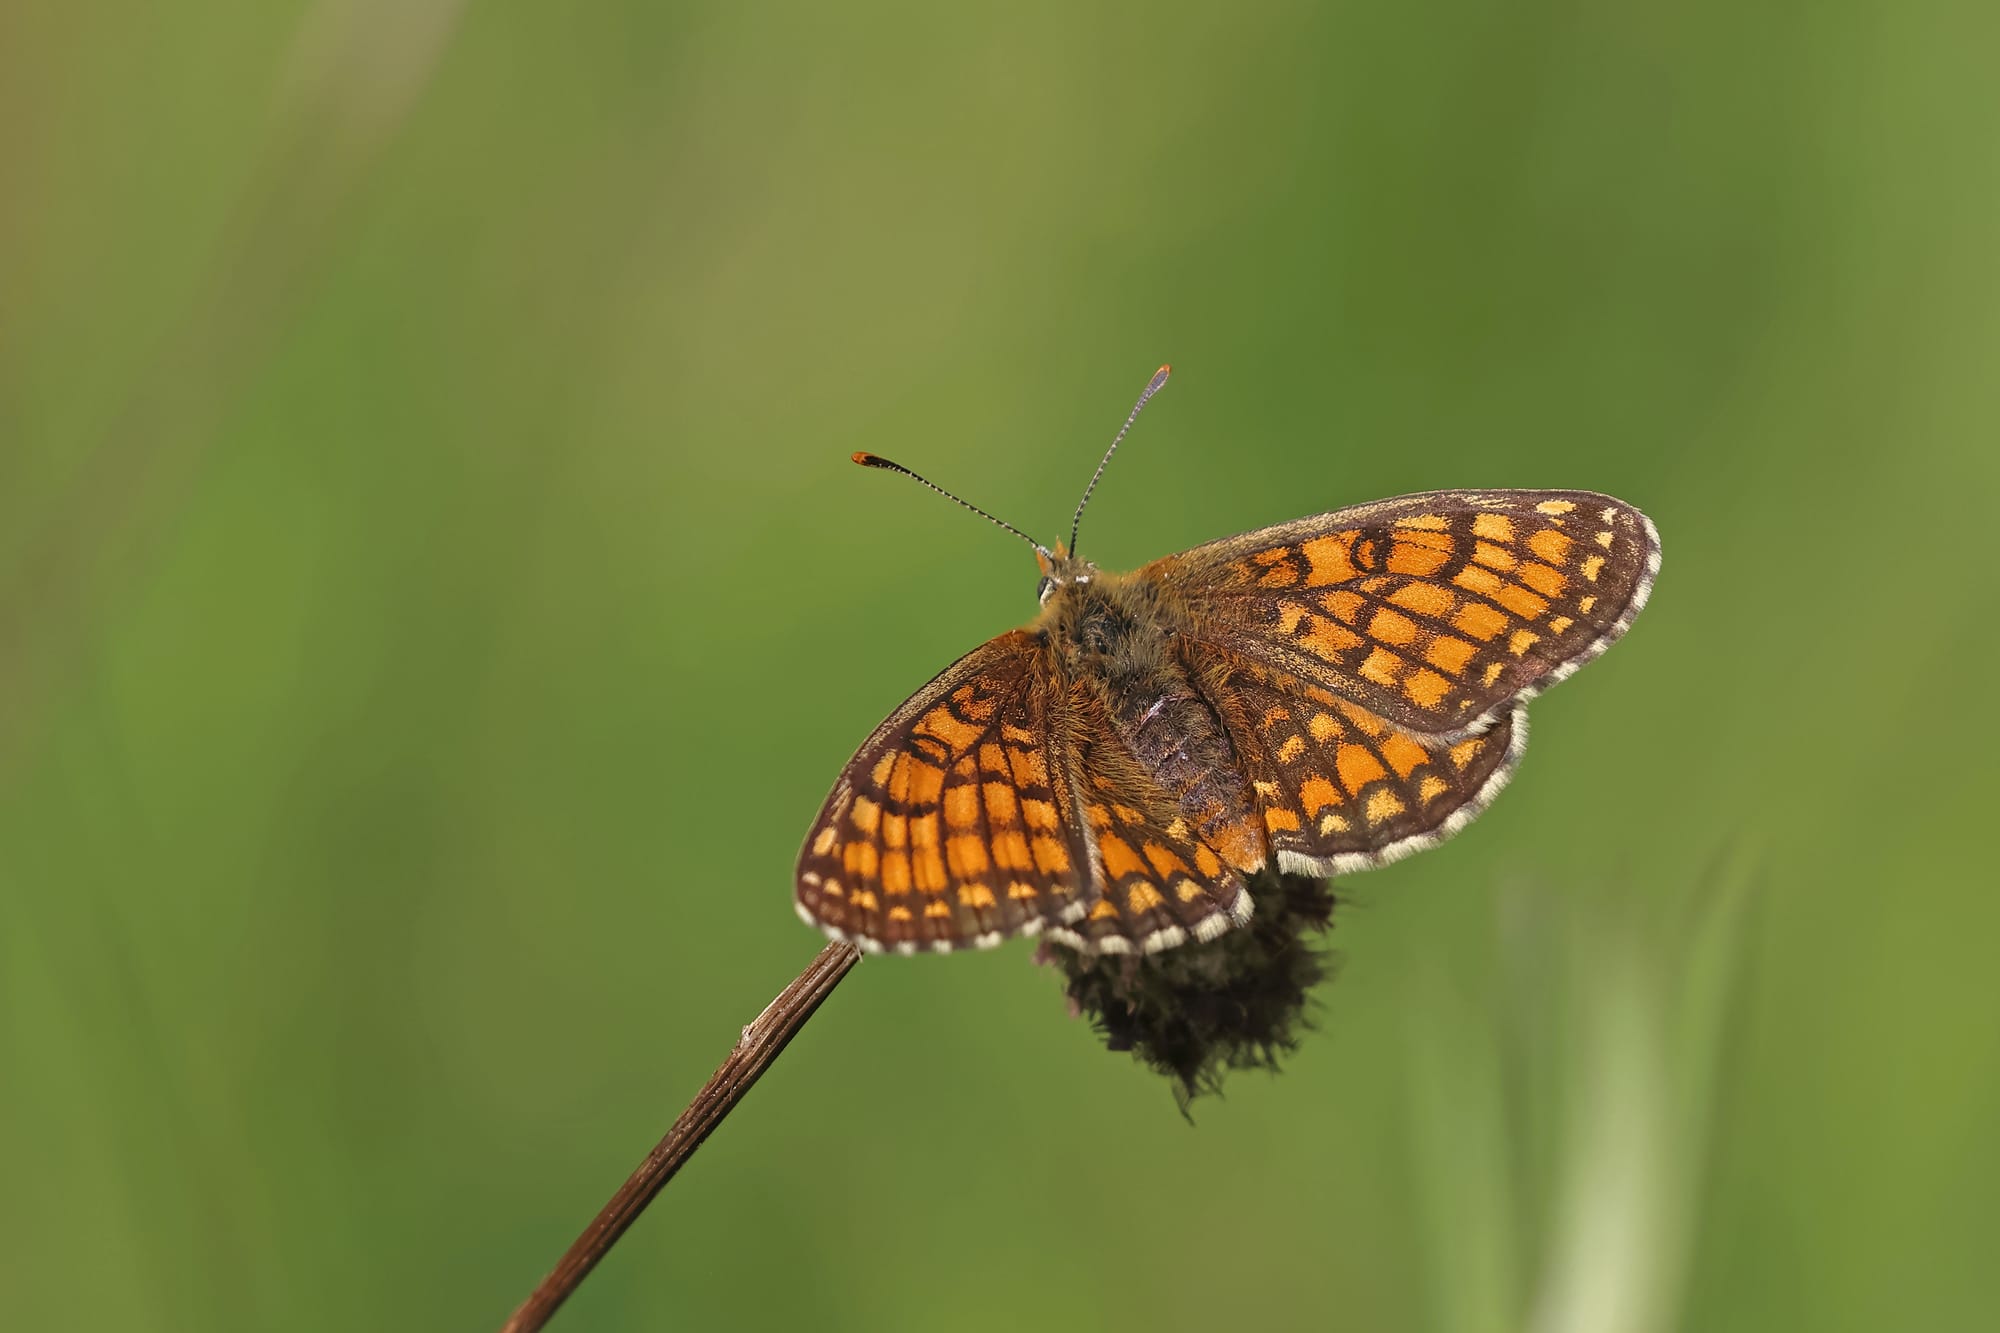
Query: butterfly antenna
x=1153, y=386
x=875, y=460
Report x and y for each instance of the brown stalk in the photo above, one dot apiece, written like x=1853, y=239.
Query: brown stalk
x=757, y=1048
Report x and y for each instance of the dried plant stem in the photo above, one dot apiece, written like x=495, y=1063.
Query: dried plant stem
x=758, y=1047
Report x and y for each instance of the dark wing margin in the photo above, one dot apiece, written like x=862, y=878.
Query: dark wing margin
x=953, y=825
x=1435, y=612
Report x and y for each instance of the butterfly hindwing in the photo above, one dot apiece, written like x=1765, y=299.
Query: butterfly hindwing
x=1431, y=611
x=1339, y=789
x=950, y=827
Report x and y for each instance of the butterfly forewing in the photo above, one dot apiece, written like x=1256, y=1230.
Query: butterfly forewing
x=1431, y=611
x=950, y=826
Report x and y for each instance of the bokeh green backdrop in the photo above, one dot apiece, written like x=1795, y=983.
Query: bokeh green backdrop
x=434, y=598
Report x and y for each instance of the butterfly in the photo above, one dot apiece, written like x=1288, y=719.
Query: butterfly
x=1318, y=697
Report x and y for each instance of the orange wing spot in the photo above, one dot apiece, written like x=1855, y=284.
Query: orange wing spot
x=1119, y=858
x=1014, y=735
x=879, y=775
x=863, y=901
x=1550, y=545
x=1294, y=746
x=1591, y=565
x=1142, y=897
x=1357, y=767
x=1104, y=911
x=961, y=806
x=1051, y=858
x=1493, y=670
x=1479, y=620
x=1187, y=890
x=1279, y=576
x=900, y=913
x=1328, y=640
x=1560, y=624
x=1273, y=716
x=957, y=737
x=1178, y=829
x=1344, y=606
x=1416, y=559
x=1448, y=653
x=937, y=910
x=1390, y=627
x=1040, y=814
x=1431, y=788
x=1493, y=557
x=1605, y=538
x=1125, y=814
x=1521, y=640
x=832, y=889
x=1272, y=556
x=1554, y=507
x=1029, y=769
x=967, y=855
x=924, y=832
x=823, y=841
x=867, y=815
x=1279, y=820
x=1001, y=807
x=928, y=866
x=1426, y=599
x=1383, y=806
x=915, y=782
x=895, y=830
x=1165, y=864
x=1464, y=752
x=1588, y=602
x=1290, y=614
x=1380, y=667
x=1520, y=601
x=1010, y=850
x=1404, y=755
x=993, y=760
x=1330, y=559
x=860, y=858
x=1477, y=578
x=975, y=895
x=1206, y=862
x=1493, y=527
x=1425, y=687
x=1332, y=824
x=1323, y=727
x=1019, y=891
x=1428, y=522
x=1546, y=581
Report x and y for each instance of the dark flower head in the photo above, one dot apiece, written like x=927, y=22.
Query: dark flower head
x=1196, y=1012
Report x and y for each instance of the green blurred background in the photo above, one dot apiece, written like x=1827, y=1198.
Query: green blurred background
x=434, y=597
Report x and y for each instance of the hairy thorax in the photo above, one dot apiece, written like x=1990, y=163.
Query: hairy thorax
x=1116, y=640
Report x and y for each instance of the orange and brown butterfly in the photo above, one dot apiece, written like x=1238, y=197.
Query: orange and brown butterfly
x=1321, y=696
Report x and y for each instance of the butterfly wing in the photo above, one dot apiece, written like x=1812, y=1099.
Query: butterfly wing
x=953, y=825
x=1336, y=788
x=1435, y=612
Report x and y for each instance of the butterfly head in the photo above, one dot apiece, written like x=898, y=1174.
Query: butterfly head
x=1060, y=570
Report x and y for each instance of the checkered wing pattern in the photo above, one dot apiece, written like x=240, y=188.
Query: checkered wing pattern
x=952, y=825
x=1335, y=787
x=1436, y=612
